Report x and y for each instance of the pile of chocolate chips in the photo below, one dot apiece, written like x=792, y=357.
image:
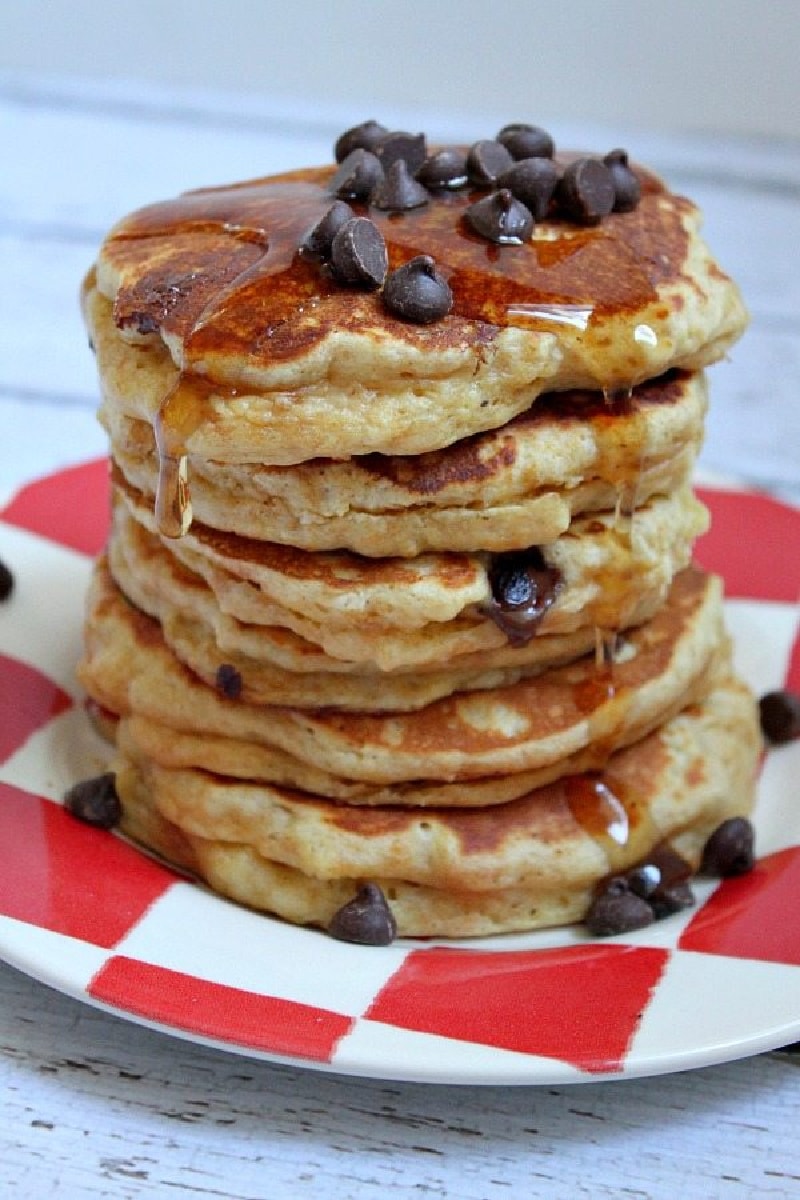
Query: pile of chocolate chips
x=393, y=171
x=660, y=886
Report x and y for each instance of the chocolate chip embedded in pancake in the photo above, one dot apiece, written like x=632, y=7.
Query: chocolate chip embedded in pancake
x=531, y=863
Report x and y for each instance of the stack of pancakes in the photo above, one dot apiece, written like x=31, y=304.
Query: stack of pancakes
x=411, y=602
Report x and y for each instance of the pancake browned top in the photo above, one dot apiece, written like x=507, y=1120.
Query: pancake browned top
x=218, y=277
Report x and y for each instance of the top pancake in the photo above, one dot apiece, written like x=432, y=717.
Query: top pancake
x=208, y=300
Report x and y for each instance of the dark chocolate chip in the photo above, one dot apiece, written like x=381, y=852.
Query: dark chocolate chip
x=95, y=801
x=532, y=181
x=780, y=717
x=399, y=190
x=501, y=218
x=410, y=147
x=366, y=919
x=6, y=582
x=672, y=867
x=668, y=900
x=446, y=169
x=142, y=321
x=318, y=240
x=486, y=162
x=627, y=189
x=586, y=191
x=360, y=137
x=358, y=254
x=730, y=849
x=523, y=588
x=644, y=879
x=526, y=141
x=357, y=177
x=229, y=681
x=417, y=292
x=617, y=910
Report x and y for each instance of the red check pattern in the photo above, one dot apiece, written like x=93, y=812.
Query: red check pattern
x=582, y=1005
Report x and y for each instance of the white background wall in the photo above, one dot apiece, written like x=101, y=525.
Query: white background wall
x=670, y=65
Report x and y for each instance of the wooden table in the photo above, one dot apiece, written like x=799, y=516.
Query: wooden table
x=92, y=1105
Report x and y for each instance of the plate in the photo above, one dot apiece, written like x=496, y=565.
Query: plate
x=90, y=915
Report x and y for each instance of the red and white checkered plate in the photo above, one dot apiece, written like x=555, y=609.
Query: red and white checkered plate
x=87, y=913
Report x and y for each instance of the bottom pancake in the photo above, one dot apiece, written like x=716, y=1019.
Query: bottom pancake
x=531, y=863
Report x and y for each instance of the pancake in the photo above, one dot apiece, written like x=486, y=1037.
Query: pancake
x=265, y=358
x=607, y=581
x=612, y=571
x=533, y=862
x=660, y=667
x=570, y=454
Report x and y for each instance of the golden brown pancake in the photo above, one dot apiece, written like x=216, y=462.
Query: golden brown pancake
x=572, y=453
x=533, y=862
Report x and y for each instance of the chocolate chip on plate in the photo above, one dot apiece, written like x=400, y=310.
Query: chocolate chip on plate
x=358, y=254
x=501, y=218
x=417, y=292
x=486, y=161
x=357, y=177
x=617, y=910
x=366, y=919
x=446, y=169
x=6, y=582
x=526, y=141
x=627, y=189
x=318, y=240
x=360, y=137
x=665, y=901
x=779, y=712
x=95, y=801
x=533, y=182
x=228, y=681
x=730, y=849
x=586, y=191
x=399, y=190
x=410, y=147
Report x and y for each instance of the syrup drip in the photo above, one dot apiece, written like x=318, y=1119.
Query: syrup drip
x=599, y=810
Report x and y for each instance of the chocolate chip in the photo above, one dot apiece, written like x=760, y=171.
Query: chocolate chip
x=730, y=849
x=780, y=717
x=318, y=240
x=526, y=141
x=672, y=867
x=360, y=137
x=6, y=582
x=399, y=190
x=644, y=879
x=586, y=191
x=366, y=919
x=486, y=161
x=533, y=182
x=410, y=147
x=501, y=218
x=666, y=901
x=523, y=588
x=617, y=910
x=95, y=801
x=358, y=254
x=446, y=169
x=229, y=681
x=357, y=177
x=417, y=292
x=627, y=189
